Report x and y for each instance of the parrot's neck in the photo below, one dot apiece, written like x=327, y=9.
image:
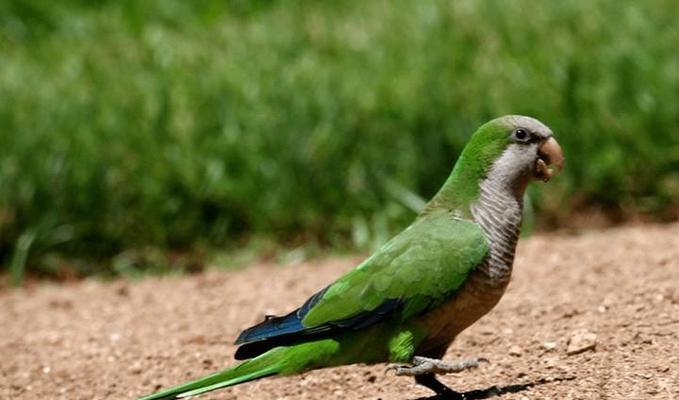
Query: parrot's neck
x=499, y=209
x=499, y=214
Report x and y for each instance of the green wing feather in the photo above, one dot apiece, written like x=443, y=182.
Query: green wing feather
x=421, y=267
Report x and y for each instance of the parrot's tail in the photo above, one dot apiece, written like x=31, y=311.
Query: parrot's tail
x=249, y=370
x=279, y=360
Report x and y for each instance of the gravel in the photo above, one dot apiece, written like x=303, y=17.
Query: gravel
x=594, y=315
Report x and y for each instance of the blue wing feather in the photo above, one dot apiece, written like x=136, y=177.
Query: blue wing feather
x=288, y=329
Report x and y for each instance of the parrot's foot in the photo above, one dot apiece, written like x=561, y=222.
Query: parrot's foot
x=424, y=365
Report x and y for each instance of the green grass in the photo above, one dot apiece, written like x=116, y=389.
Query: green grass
x=128, y=128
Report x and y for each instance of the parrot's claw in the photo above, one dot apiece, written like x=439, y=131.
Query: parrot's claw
x=424, y=365
x=395, y=368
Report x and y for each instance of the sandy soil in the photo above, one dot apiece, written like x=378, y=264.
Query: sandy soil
x=95, y=340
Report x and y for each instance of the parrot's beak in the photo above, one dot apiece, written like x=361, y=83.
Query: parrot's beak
x=550, y=159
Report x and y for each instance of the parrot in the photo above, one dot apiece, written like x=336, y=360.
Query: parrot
x=405, y=304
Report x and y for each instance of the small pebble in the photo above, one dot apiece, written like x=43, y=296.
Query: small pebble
x=581, y=341
x=549, y=346
x=515, y=351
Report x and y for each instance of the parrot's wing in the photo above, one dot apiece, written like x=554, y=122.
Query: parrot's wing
x=417, y=270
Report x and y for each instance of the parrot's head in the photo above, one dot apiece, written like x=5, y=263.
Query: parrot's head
x=516, y=149
x=506, y=153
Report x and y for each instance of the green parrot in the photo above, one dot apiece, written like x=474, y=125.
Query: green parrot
x=407, y=302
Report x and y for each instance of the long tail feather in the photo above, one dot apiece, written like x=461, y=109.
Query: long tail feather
x=279, y=360
x=267, y=364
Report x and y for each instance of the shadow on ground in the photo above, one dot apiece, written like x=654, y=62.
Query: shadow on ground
x=493, y=391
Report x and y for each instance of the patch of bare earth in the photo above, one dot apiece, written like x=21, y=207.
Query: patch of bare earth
x=592, y=316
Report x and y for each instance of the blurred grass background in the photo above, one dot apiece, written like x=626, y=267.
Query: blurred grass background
x=139, y=136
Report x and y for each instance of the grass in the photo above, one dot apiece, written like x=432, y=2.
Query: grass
x=136, y=134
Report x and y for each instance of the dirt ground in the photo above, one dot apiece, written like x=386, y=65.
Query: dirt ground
x=118, y=340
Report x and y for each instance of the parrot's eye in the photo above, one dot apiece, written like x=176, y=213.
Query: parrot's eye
x=521, y=135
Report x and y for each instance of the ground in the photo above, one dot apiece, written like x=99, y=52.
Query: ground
x=117, y=340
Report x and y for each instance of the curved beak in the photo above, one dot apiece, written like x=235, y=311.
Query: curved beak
x=550, y=159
